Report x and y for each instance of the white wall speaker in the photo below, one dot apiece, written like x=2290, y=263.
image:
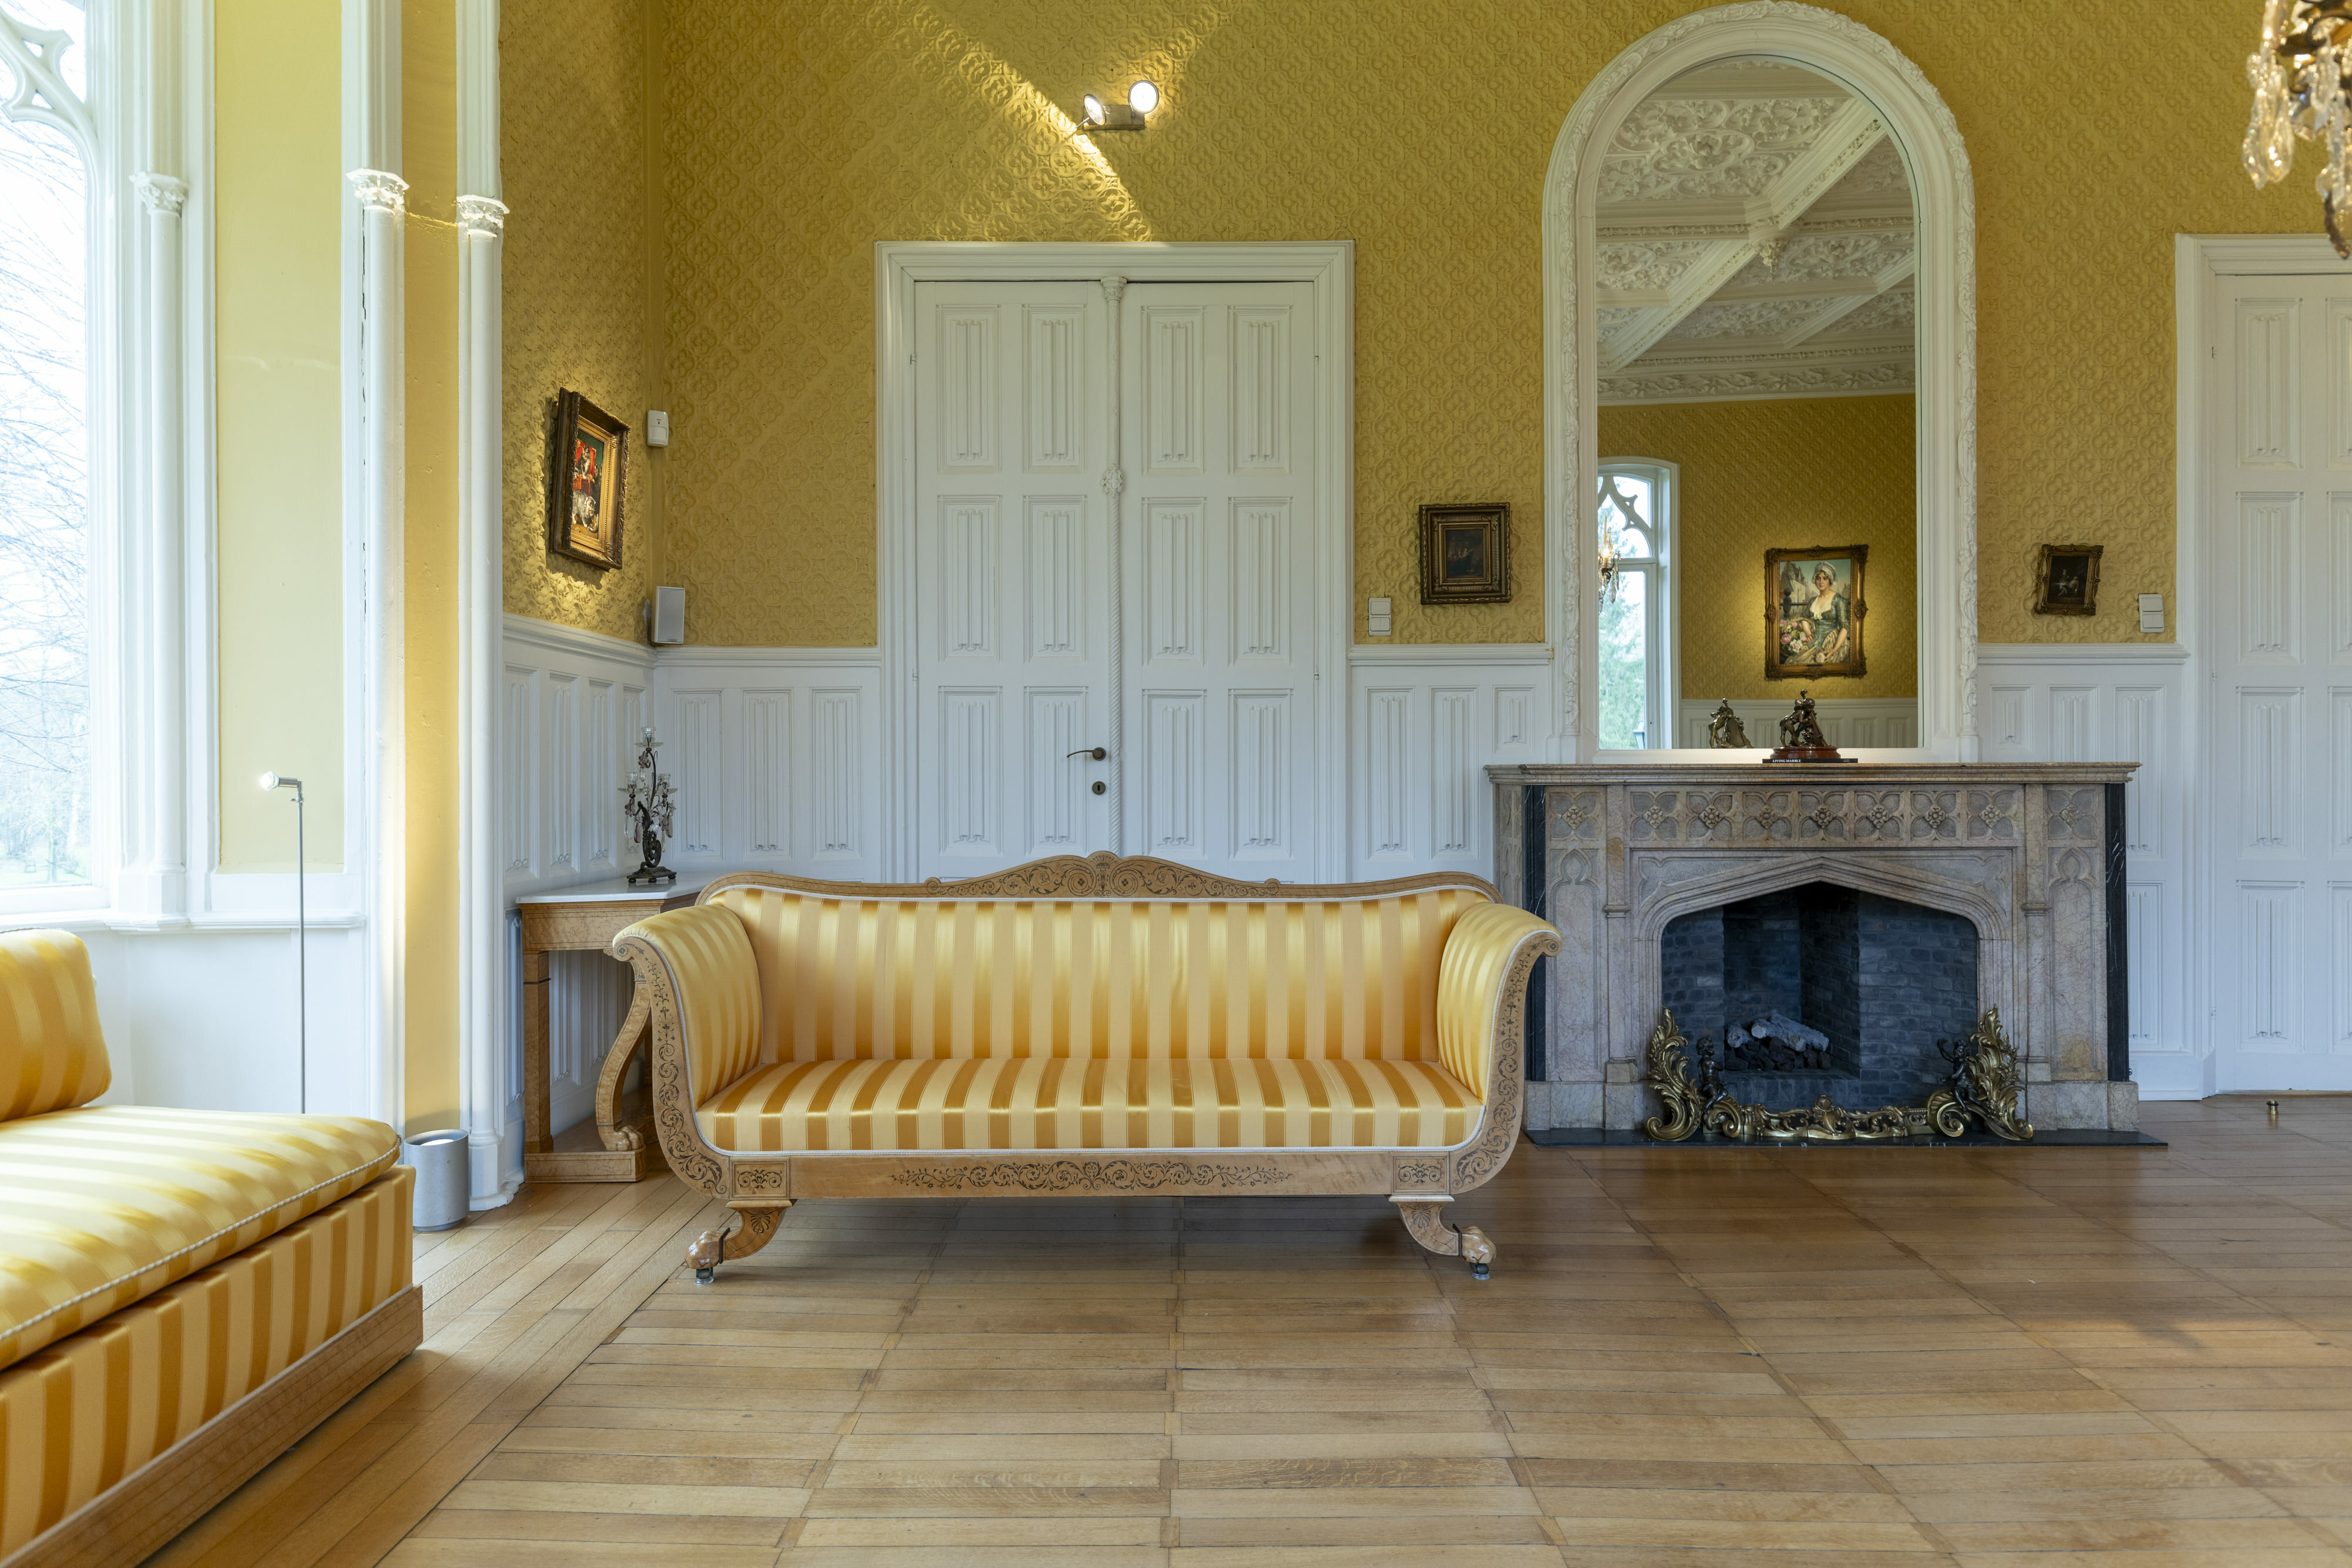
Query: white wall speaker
x=669, y=615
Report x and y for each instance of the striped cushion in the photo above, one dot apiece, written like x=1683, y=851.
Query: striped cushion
x=81, y=1414
x=51, y=1053
x=1059, y=1103
x=1305, y=979
x=103, y=1205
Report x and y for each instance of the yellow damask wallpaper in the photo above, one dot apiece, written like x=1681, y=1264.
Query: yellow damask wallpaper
x=1780, y=474
x=572, y=142
x=794, y=137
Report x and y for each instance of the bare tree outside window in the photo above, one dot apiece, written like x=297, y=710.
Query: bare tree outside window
x=45, y=534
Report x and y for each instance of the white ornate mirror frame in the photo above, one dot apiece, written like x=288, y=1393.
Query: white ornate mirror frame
x=1938, y=163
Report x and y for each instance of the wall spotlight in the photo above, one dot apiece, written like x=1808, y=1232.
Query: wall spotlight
x=1141, y=99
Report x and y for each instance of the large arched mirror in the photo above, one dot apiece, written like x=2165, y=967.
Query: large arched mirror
x=1761, y=477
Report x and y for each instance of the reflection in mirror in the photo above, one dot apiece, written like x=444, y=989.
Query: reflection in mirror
x=1755, y=327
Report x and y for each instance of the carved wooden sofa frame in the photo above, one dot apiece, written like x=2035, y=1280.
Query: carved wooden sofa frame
x=760, y=1187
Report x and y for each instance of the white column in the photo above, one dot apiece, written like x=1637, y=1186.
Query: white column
x=481, y=907
x=154, y=884
x=378, y=455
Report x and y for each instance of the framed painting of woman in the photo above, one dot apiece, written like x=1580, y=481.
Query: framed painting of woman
x=587, y=477
x=1812, y=611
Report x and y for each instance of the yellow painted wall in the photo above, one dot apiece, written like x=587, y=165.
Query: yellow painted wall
x=1423, y=132
x=1774, y=475
x=573, y=144
x=428, y=50
x=279, y=440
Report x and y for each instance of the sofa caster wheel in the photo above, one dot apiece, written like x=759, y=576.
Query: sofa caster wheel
x=1478, y=1270
x=704, y=1276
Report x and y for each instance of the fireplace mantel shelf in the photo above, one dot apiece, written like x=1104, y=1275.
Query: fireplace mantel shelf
x=2032, y=853
x=1809, y=774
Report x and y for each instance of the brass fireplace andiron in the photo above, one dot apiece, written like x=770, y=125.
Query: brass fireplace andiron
x=1984, y=1086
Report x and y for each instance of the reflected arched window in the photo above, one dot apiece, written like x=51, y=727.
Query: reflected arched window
x=1637, y=544
x=46, y=152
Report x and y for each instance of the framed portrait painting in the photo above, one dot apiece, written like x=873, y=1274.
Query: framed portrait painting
x=1812, y=611
x=586, y=481
x=2066, y=579
x=1464, y=554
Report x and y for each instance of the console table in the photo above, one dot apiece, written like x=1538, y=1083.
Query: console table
x=614, y=1144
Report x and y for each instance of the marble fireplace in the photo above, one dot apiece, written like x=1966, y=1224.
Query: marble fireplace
x=1868, y=878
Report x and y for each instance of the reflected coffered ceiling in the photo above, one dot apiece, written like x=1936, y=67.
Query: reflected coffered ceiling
x=1756, y=240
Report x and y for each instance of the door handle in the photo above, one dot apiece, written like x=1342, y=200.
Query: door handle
x=1097, y=752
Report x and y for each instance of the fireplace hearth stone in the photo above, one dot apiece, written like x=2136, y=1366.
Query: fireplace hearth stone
x=2021, y=854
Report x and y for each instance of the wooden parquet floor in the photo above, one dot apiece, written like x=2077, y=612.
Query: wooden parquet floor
x=1707, y=1359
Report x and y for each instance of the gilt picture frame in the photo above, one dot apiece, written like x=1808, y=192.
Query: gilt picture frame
x=587, y=480
x=1465, y=553
x=2066, y=579
x=1814, y=609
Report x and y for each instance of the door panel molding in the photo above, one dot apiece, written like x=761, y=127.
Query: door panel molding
x=1328, y=268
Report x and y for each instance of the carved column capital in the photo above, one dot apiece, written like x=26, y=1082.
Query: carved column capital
x=161, y=193
x=380, y=192
x=481, y=216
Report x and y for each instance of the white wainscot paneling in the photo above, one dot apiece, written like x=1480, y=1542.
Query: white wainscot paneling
x=777, y=753
x=1846, y=722
x=1424, y=722
x=574, y=706
x=2127, y=702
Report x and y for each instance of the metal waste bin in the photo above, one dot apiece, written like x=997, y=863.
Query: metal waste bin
x=441, y=1172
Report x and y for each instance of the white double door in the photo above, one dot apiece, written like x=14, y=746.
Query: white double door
x=1114, y=575
x=2279, y=699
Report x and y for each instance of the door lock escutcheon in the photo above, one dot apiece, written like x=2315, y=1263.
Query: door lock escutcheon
x=1101, y=786
x=1097, y=752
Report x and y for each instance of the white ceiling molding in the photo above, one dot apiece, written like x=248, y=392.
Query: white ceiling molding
x=1753, y=211
x=1935, y=160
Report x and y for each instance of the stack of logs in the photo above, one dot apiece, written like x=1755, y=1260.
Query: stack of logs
x=1774, y=1043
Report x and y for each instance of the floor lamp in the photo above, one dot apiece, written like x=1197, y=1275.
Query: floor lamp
x=302, y=938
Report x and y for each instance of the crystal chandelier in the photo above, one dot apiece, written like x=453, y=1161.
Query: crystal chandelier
x=2300, y=89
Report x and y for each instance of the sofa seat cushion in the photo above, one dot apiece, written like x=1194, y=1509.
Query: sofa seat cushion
x=102, y=1206
x=1076, y=1102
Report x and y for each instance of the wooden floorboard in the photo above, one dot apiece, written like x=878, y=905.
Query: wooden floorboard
x=1979, y=1358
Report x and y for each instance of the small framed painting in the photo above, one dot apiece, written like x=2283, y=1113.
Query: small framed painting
x=585, y=482
x=1812, y=611
x=2067, y=580
x=1465, y=554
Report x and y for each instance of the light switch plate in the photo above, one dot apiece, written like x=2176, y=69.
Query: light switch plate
x=2151, y=612
x=1379, y=618
x=657, y=427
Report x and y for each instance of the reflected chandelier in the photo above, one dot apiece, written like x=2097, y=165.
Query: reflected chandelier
x=2300, y=89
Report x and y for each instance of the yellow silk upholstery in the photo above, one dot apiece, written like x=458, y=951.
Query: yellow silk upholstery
x=1306, y=979
x=51, y=1053
x=102, y=1206
x=1470, y=985
x=79, y=1415
x=1063, y=1102
x=710, y=959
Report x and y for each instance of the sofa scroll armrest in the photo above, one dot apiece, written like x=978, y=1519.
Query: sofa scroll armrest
x=696, y=968
x=1490, y=950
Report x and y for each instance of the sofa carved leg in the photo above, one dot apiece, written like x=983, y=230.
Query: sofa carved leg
x=755, y=1226
x=1426, y=1219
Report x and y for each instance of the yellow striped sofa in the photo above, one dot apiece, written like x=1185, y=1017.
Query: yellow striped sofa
x=182, y=1293
x=1102, y=1025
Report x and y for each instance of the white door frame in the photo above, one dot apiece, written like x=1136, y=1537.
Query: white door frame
x=2200, y=262
x=1329, y=270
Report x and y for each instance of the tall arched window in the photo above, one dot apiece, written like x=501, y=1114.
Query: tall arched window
x=46, y=794
x=1636, y=540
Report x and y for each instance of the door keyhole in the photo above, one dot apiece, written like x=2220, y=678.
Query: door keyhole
x=1101, y=785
